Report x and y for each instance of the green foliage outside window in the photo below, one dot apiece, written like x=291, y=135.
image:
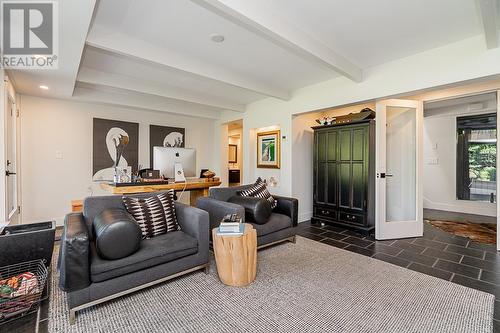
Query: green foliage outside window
x=482, y=161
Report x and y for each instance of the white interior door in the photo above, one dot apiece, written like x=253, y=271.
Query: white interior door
x=11, y=161
x=399, y=166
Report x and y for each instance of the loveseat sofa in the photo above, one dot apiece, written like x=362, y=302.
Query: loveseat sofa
x=279, y=226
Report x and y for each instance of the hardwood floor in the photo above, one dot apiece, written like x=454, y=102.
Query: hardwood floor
x=437, y=253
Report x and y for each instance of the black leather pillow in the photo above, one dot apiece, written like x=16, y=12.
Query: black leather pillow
x=257, y=210
x=117, y=235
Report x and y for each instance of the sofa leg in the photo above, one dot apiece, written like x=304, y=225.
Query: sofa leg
x=294, y=239
x=207, y=269
x=72, y=317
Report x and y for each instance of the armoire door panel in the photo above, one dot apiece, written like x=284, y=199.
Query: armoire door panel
x=345, y=145
x=344, y=185
x=322, y=146
x=358, y=144
x=358, y=186
x=321, y=181
x=332, y=184
x=332, y=145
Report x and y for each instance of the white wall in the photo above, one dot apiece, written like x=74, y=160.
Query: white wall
x=50, y=125
x=261, y=117
x=440, y=146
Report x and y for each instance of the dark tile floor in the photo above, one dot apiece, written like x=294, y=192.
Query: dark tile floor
x=437, y=253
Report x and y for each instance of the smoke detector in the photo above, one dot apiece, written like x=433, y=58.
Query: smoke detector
x=216, y=38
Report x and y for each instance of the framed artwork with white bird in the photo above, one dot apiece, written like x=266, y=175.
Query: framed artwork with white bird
x=115, y=144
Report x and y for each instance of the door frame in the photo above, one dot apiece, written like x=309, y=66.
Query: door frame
x=397, y=229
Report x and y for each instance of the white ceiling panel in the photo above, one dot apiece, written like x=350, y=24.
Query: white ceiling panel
x=161, y=76
x=185, y=27
x=372, y=32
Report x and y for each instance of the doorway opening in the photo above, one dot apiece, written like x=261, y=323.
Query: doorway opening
x=235, y=152
x=460, y=164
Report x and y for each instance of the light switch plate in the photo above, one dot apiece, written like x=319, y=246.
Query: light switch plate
x=59, y=155
x=432, y=161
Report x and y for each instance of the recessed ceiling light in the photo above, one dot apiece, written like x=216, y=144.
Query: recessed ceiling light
x=217, y=38
x=44, y=87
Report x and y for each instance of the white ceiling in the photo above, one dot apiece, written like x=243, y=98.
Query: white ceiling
x=374, y=32
x=157, y=54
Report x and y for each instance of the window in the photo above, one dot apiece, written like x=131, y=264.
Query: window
x=476, y=158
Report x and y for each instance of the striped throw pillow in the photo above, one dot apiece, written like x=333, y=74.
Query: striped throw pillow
x=259, y=190
x=155, y=215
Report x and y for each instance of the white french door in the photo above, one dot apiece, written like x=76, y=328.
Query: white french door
x=399, y=166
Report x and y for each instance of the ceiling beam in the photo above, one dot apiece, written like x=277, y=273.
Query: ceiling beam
x=111, y=96
x=488, y=12
x=267, y=25
x=141, y=51
x=97, y=77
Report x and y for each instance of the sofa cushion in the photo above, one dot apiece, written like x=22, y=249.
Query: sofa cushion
x=152, y=252
x=257, y=210
x=154, y=214
x=274, y=223
x=259, y=190
x=117, y=235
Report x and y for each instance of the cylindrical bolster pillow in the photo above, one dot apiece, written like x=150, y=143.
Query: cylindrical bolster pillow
x=117, y=235
x=257, y=210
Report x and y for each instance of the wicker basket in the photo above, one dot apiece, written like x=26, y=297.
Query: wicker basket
x=21, y=288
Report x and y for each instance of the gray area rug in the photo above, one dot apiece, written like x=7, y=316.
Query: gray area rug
x=302, y=287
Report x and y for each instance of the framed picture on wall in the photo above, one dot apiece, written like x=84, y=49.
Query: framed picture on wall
x=115, y=144
x=268, y=149
x=233, y=154
x=165, y=136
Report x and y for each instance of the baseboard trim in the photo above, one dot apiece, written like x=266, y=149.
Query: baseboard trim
x=304, y=217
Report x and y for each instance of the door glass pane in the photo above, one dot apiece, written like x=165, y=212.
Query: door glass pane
x=401, y=164
x=11, y=158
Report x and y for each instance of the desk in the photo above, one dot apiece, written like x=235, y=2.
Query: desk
x=197, y=187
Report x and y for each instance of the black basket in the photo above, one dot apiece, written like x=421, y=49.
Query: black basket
x=21, y=288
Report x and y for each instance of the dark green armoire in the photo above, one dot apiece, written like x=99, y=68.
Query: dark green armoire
x=344, y=176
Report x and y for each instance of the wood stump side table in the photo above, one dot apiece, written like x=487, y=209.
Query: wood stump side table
x=236, y=257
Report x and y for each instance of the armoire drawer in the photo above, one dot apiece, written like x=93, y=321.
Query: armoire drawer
x=325, y=213
x=351, y=218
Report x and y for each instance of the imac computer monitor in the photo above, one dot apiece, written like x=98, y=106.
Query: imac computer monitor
x=165, y=158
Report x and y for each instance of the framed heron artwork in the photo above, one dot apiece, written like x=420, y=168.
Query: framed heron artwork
x=115, y=145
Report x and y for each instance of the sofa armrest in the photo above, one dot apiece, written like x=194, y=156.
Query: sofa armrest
x=218, y=209
x=74, y=254
x=195, y=223
x=288, y=207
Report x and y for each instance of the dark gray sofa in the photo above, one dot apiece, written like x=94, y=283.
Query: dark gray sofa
x=281, y=225
x=90, y=280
